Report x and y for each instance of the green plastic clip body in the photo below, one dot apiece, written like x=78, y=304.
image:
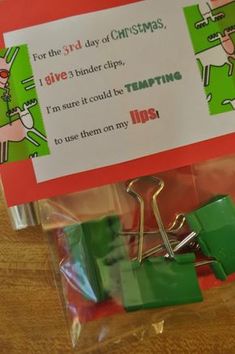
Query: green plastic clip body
x=95, y=248
x=215, y=225
x=159, y=282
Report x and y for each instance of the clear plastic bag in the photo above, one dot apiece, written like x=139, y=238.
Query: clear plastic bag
x=95, y=236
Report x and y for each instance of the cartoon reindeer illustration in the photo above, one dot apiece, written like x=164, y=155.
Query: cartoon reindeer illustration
x=19, y=129
x=229, y=101
x=226, y=41
x=6, y=63
x=206, y=13
x=219, y=55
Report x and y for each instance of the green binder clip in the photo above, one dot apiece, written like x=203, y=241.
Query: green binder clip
x=157, y=281
x=214, y=225
x=95, y=248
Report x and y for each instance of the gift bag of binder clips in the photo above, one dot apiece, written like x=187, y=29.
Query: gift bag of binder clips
x=134, y=258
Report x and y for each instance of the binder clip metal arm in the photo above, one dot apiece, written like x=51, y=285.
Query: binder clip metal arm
x=162, y=231
x=170, y=238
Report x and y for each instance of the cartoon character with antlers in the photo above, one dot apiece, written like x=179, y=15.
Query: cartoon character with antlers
x=6, y=63
x=5, y=66
x=206, y=11
x=221, y=54
x=18, y=130
x=207, y=14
